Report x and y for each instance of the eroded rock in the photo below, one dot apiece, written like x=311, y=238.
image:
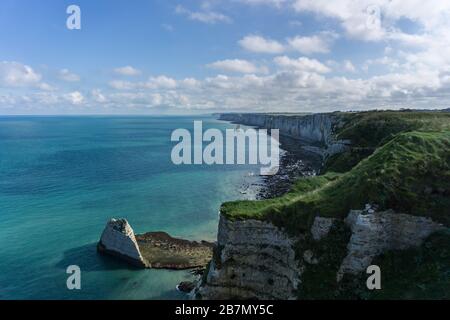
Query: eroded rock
x=375, y=233
x=321, y=227
x=254, y=260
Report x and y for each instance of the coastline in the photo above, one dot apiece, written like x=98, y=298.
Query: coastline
x=295, y=162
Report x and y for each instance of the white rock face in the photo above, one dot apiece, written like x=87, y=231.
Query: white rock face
x=373, y=234
x=118, y=240
x=321, y=227
x=256, y=260
x=315, y=128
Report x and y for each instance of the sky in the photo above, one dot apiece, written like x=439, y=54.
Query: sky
x=190, y=57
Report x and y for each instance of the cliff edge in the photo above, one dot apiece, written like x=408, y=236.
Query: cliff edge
x=384, y=199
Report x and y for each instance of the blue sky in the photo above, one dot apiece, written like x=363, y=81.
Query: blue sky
x=176, y=57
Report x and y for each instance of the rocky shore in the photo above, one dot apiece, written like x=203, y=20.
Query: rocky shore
x=294, y=164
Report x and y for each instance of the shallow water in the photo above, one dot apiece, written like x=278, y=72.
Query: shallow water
x=62, y=178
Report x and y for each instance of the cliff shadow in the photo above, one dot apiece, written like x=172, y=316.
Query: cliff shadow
x=88, y=259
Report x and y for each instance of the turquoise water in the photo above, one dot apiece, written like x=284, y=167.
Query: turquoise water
x=62, y=178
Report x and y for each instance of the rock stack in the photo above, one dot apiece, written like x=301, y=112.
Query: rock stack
x=118, y=240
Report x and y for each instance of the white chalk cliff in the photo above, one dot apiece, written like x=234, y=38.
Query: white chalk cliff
x=254, y=260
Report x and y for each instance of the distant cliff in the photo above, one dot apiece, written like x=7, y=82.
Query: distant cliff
x=317, y=130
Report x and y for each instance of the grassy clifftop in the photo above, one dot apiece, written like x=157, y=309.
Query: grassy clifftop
x=408, y=171
x=369, y=130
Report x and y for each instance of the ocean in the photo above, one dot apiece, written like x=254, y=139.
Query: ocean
x=63, y=178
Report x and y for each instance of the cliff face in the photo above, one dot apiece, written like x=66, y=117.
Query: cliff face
x=315, y=129
x=254, y=260
x=257, y=260
x=377, y=232
x=308, y=245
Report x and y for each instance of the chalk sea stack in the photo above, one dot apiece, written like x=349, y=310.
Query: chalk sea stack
x=157, y=250
x=118, y=240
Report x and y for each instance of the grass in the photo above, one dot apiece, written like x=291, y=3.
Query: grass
x=410, y=174
x=397, y=160
x=370, y=130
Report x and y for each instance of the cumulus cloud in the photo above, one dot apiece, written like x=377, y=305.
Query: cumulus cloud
x=237, y=65
x=15, y=74
x=159, y=82
x=308, y=45
x=66, y=75
x=375, y=20
x=98, y=96
x=75, y=97
x=312, y=44
x=302, y=64
x=348, y=66
x=122, y=85
x=210, y=17
x=127, y=71
x=259, y=44
x=276, y=3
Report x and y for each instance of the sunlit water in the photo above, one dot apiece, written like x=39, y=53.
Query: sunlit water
x=62, y=178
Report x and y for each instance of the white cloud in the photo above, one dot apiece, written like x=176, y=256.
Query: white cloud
x=259, y=44
x=75, y=98
x=312, y=44
x=45, y=86
x=348, y=66
x=121, y=85
x=210, y=17
x=301, y=84
x=127, y=71
x=375, y=20
x=237, y=65
x=98, y=96
x=66, y=75
x=302, y=64
x=14, y=74
x=276, y=3
x=190, y=83
x=161, y=82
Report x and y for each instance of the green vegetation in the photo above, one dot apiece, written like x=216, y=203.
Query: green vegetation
x=397, y=160
x=410, y=174
x=319, y=280
x=370, y=130
x=417, y=273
